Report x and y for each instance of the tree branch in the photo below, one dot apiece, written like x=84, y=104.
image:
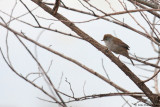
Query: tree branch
x=75, y=62
x=124, y=68
x=55, y=9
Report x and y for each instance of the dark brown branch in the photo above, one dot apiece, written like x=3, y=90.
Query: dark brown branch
x=124, y=68
x=56, y=6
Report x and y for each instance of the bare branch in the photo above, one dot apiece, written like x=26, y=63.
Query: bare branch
x=70, y=86
x=45, y=92
x=30, y=13
x=43, y=71
x=55, y=9
x=74, y=61
x=152, y=76
x=105, y=51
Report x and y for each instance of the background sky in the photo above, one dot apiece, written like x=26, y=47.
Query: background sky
x=15, y=92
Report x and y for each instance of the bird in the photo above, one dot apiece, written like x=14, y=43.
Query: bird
x=116, y=45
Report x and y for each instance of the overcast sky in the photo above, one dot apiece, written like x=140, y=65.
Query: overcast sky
x=15, y=92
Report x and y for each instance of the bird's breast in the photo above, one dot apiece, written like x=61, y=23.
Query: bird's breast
x=110, y=45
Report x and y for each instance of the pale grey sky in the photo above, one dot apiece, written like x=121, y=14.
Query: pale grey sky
x=15, y=92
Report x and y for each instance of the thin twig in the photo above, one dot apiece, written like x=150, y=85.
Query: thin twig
x=60, y=81
x=45, y=92
x=70, y=86
x=7, y=47
x=152, y=76
x=30, y=13
x=84, y=87
x=43, y=71
x=86, y=7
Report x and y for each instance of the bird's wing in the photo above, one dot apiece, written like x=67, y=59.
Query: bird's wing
x=121, y=43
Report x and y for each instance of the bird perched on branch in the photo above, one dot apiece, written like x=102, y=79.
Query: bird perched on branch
x=116, y=45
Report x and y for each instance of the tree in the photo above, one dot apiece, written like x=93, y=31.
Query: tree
x=137, y=17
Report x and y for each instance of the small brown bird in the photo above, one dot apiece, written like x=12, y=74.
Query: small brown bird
x=116, y=45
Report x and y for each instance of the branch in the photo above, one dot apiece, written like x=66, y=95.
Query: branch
x=124, y=68
x=45, y=92
x=112, y=21
x=55, y=9
x=74, y=61
x=30, y=13
x=43, y=72
x=144, y=2
x=152, y=76
x=144, y=7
